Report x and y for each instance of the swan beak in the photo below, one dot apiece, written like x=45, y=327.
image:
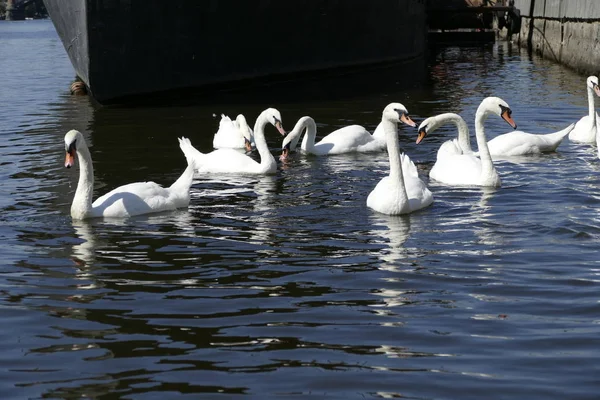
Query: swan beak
x=279, y=128
x=69, y=159
x=406, y=119
x=597, y=90
x=422, y=134
x=507, y=117
x=247, y=145
x=284, y=154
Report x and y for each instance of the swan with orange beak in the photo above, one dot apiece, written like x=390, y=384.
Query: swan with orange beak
x=456, y=164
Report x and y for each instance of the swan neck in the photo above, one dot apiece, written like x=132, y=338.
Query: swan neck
x=266, y=158
x=484, y=152
x=591, y=105
x=464, y=139
x=393, y=146
x=82, y=201
x=308, y=142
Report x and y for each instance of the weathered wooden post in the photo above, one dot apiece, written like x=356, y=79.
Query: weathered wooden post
x=9, y=9
x=13, y=11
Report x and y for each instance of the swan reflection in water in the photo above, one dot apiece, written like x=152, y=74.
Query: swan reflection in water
x=245, y=203
x=393, y=230
x=98, y=236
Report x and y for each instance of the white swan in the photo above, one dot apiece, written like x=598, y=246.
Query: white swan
x=458, y=146
x=232, y=161
x=467, y=168
x=516, y=143
x=401, y=192
x=519, y=143
x=233, y=134
x=127, y=200
x=586, y=128
x=349, y=139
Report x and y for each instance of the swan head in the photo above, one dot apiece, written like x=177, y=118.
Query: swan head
x=72, y=139
x=497, y=106
x=274, y=117
x=242, y=124
x=592, y=83
x=432, y=123
x=396, y=112
x=293, y=137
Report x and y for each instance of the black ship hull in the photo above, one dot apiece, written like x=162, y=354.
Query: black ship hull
x=124, y=48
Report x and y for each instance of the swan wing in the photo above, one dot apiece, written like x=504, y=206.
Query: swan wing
x=459, y=170
x=419, y=195
x=519, y=143
x=134, y=199
x=386, y=196
x=585, y=130
x=515, y=144
x=345, y=140
x=228, y=161
x=449, y=147
x=228, y=135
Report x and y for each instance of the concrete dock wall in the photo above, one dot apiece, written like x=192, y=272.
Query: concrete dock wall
x=567, y=31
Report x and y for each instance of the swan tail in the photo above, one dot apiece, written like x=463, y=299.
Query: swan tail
x=190, y=152
x=184, y=182
x=225, y=121
x=561, y=134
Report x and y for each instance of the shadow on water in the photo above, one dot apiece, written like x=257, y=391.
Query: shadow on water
x=342, y=83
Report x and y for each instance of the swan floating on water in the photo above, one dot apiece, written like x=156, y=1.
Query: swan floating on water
x=349, y=139
x=586, y=129
x=127, y=200
x=456, y=163
x=233, y=134
x=402, y=191
x=519, y=143
x=231, y=160
x=511, y=144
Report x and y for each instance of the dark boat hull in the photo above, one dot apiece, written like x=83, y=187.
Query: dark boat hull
x=123, y=48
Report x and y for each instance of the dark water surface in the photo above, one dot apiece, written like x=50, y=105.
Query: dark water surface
x=288, y=286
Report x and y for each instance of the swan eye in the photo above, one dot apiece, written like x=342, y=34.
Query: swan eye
x=506, y=110
x=71, y=148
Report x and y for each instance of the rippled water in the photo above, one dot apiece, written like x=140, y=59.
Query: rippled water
x=288, y=286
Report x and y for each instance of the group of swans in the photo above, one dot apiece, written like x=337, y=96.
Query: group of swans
x=458, y=164
x=230, y=160
x=401, y=192
x=148, y=197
